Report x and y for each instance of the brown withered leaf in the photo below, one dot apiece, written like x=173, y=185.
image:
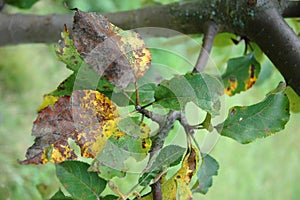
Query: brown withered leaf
x=119, y=55
x=87, y=117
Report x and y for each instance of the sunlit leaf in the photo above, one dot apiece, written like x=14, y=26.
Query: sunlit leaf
x=209, y=168
x=80, y=183
x=47, y=100
x=294, y=100
x=202, y=89
x=87, y=117
x=119, y=55
x=224, y=39
x=241, y=74
x=247, y=123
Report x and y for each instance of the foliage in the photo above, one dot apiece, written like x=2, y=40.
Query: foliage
x=21, y=3
x=90, y=117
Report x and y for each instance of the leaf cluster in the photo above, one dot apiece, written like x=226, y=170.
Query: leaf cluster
x=108, y=65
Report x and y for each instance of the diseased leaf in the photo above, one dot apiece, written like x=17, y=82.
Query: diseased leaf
x=133, y=127
x=184, y=176
x=65, y=88
x=169, y=156
x=21, y=3
x=135, y=146
x=81, y=82
x=241, y=74
x=67, y=52
x=119, y=55
x=209, y=168
x=183, y=191
x=47, y=100
x=110, y=160
x=202, y=89
x=247, y=123
x=80, y=183
x=87, y=117
x=177, y=186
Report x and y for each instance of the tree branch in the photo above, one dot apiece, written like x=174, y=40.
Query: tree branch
x=157, y=144
x=20, y=28
x=279, y=42
x=260, y=21
x=210, y=32
x=292, y=9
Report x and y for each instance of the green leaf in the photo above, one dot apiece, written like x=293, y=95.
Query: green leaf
x=247, y=123
x=109, y=197
x=209, y=168
x=169, y=156
x=80, y=183
x=65, y=87
x=202, y=89
x=127, y=96
x=133, y=146
x=59, y=195
x=109, y=162
x=21, y=3
x=67, y=52
x=294, y=100
x=241, y=74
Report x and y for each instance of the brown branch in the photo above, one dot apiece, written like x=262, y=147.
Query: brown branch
x=20, y=28
x=292, y=9
x=165, y=126
x=210, y=32
x=279, y=42
x=156, y=190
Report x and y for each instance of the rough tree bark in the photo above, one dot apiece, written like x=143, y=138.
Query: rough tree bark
x=259, y=20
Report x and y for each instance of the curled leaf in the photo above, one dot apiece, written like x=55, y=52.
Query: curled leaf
x=86, y=117
x=209, y=168
x=119, y=55
x=177, y=186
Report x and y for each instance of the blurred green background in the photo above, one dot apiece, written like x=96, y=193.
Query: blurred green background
x=266, y=169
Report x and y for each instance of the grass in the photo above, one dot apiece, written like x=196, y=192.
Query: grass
x=30, y=72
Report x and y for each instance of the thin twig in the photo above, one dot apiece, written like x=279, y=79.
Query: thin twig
x=157, y=144
x=210, y=31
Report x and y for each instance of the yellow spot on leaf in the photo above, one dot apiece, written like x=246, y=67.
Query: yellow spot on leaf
x=231, y=86
x=252, y=78
x=47, y=100
x=177, y=185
